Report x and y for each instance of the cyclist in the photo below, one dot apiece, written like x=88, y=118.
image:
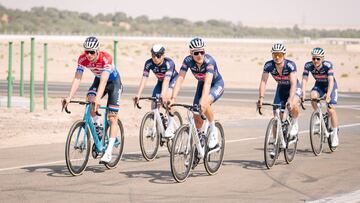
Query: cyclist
x=323, y=73
x=107, y=80
x=288, y=91
x=210, y=85
x=164, y=69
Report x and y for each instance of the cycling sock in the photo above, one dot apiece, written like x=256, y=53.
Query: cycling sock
x=111, y=144
x=335, y=130
x=212, y=124
x=96, y=119
x=171, y=121
x=295, y=120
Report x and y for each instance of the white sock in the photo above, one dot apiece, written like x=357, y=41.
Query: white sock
x=171, y=121
x=335, y=130
x=212, y=124
x=111, y=144
x=295, y=120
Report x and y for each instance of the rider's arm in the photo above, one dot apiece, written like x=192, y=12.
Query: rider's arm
x=262, y=86
x=330, y=86
x=206, y=87
x=75, y=84
x=293, y=81
x=303, y=85
x=165, y=85
x=178, y=84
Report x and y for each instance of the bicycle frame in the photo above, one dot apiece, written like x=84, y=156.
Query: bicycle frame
x=279, y=123
x=322, y=121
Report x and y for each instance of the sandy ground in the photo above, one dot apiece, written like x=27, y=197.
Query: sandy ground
x=240, y=65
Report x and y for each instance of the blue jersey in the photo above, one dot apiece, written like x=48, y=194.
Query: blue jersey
x=283, y=80
x=166, y=69
x=209, y=66
x=320, y=75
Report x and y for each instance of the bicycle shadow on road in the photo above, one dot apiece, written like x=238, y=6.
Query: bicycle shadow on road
x=61, y=170
x=246, y=164
x=139, y=157
x=153, y=176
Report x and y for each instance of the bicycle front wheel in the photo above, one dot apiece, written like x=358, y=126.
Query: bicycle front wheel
x=118, y=147
x=291, y=147
x=77, y=148
x=178, y=123
x=182, y=154
x=213, y=159
x=272, y=143
x=149, y=137
x=316, y=133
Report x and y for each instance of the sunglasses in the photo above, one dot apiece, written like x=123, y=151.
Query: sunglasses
x=316, y=59
x=90, y=52
x=199, y=52
x=278, y=54
x=157, y=55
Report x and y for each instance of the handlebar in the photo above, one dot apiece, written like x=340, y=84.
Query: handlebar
x=316, y=100
x=192, y=108
x=78, y=102
x=156, y=99
x=267, y=104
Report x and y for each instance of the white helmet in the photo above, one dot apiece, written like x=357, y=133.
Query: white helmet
x=91, y=44
x=318, y=52
x=278, y=48
x=196, y=43
x=158, y=49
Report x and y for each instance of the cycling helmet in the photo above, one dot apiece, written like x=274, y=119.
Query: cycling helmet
x=318, y=52
x=196, y=43
x=278, y=48
x=158, y=49
x=91, y=44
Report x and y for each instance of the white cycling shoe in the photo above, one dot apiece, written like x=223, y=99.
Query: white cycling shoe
x=169, y=132
x=106, y=158
x=213, y=137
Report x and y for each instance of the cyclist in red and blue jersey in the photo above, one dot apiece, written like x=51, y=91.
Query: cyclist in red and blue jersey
x=323, y=73
x=164, y=69
x=106, y=81
x=210, y=85
x=288, y=90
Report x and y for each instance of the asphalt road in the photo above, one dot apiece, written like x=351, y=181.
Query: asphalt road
x=38, y=173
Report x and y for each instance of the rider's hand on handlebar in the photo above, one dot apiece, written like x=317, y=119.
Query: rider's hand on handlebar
x=260, y=102
x=65, y=102
x=136, y=100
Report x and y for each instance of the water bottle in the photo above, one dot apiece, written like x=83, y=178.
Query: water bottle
x=99, y=130
x=164, y=120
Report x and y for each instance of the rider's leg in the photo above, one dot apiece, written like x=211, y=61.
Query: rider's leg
x=333, y=117
x=170, y=130
x=314, y=94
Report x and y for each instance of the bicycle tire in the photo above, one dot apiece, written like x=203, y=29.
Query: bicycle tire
x=270, y=160
x=182, y=154
x=316, y=134
x=84, y=140
x=290, y=150
x=149, y=154
x=211, y=168
x=332, y=149
x=118, y=147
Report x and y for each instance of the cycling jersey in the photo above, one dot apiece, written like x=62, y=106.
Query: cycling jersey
x=209, y=66
x=283, y=88
x=103, y=63
x=321, y=77
x=166, y=69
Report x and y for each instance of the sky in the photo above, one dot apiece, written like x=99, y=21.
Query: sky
x=327, y=14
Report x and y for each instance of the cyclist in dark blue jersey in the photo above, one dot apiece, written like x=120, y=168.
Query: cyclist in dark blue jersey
x=288, y=90
x=323, y=73
x=210, y=85
x=164, y=69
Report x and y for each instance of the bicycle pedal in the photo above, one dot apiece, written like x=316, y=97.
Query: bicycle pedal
x=195, y=163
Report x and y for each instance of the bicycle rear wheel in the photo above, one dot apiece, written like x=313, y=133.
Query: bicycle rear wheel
x=149, y=137
x=118, y=148
x=182, y=154
x=77, y=148
x=272, y=143
x=178, y=122
x=316, y=133
x=213, y=160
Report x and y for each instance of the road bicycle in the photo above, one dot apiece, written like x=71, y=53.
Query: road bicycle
x=152, y=129
x=320, y=127
x=77, y=148
x=188, y=149
x=278, y=137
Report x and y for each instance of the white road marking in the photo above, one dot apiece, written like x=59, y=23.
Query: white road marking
x=348, y=197
x=138, y=152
